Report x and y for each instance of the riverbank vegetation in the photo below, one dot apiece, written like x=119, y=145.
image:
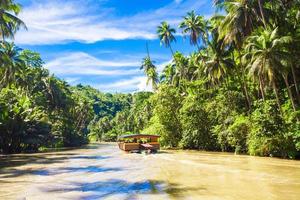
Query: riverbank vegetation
x=238, y=91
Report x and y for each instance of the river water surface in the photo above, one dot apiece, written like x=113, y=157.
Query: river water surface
x=102, y=171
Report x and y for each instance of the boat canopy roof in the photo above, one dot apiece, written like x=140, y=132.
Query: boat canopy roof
x=138, y=136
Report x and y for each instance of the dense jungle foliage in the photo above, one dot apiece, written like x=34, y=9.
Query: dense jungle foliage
x=37, y=109
x=238, y=92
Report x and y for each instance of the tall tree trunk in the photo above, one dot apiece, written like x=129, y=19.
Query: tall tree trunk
x=296, y=83
x=247, y=95
x=277, y=95
x=2, y=34
x=244, y=84
x=260, y=4
x=172, y=51
x=261, y=86
x=289, y=91
x=198, y=47
x=147, y=48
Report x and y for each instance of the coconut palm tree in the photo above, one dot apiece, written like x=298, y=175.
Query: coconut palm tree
x=291, y=26
x=195, y=65
x=11, y=63
x=262, y=12
x=198, y=60
x=166, y=35
x=256, y=5
x=168, y=73
x=285, y=74
x=150, y=71
x=153, y=77
x=147, y=64
x=219, y=63
x=181, y=66
x=241, y=19
x=9, y=22
x=196, y=27
x=265, y=52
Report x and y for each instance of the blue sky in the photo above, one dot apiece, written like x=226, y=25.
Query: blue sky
x=102, y=42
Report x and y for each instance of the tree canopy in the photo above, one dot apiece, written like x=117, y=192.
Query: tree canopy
x=238, y=91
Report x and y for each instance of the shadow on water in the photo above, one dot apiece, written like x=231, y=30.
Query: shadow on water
x=19, y=160
x=95, y=169
x=105, y=189
x=8, y=164
x=90, y=157
x=11, y=173
x=49, y=157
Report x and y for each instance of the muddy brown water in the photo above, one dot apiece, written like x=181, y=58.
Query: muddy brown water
x=102, y=171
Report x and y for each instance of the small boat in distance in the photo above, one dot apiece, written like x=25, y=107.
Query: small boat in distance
x=139, y=142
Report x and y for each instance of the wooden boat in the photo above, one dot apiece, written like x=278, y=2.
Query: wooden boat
x=139, y=142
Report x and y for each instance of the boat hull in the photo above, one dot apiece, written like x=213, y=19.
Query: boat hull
x=137, y=146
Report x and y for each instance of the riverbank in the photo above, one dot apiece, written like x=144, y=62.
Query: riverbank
x=95, y=144
x=102, y=171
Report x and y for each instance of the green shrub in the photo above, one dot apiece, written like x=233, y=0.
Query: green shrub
x=155, y=127
x=238, y=133
x=195, y=126
x=111, y=135
x=221, y=133
x=23, y=126
x=269, y=135
x=167, y=103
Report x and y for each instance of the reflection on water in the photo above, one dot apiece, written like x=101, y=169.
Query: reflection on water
x=102, y=171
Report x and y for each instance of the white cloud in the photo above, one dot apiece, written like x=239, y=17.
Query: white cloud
x=72, y=80
x=53, y=21
x=57, y=21
x=143, y=86
x=64, y=21
x=160, y=67
x=79, y=63
x=137, y=83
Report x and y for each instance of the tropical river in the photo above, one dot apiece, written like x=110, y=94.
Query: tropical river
x=102, y=171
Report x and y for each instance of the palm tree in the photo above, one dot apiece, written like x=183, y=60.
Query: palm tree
x=195, y=65
x=285, y=74
x=219, y=63
x=291, y=24
x=57, y=93
x=150, y=71
x=295, y=48
x=257, y=6
x=266, y=52
x=166, y=35
x=181, y=68
x=168, y=73
x=196, y=27
x=219, y=3
x=262, y=13
x=241, y=19
x=11, y=63
x=153, y=77
x=9, y=22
